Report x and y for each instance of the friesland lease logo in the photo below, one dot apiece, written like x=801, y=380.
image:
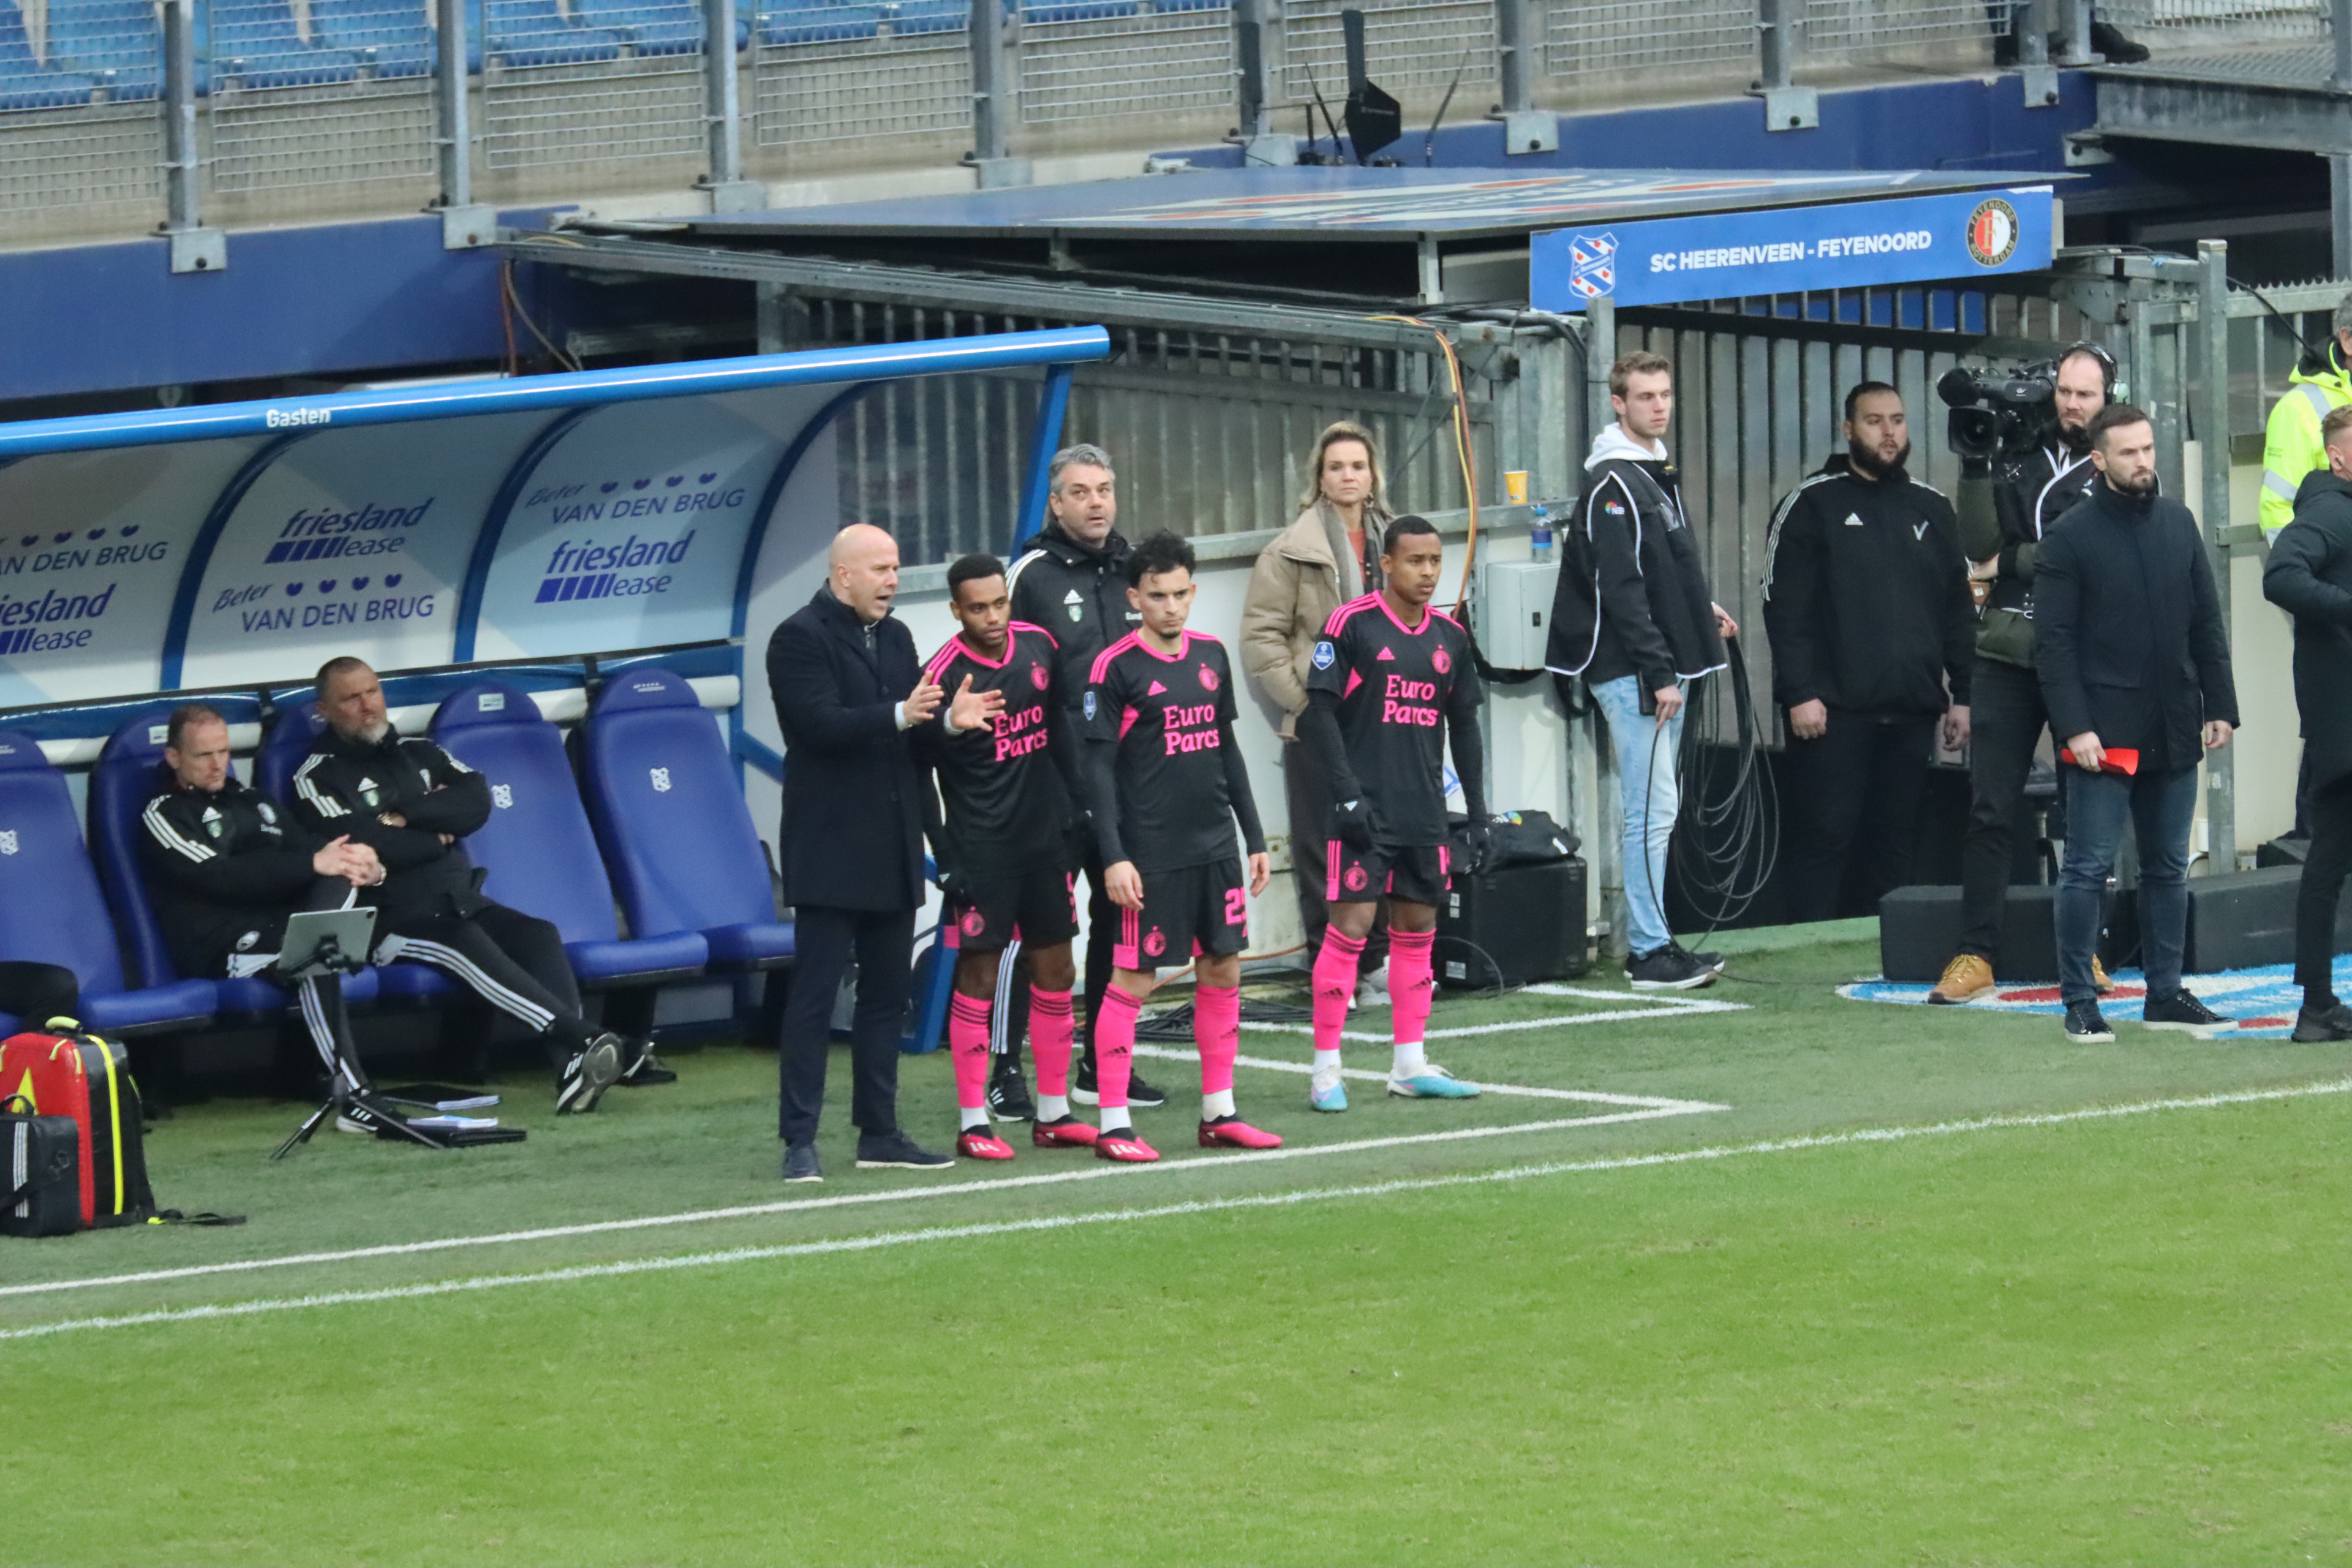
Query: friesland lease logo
x=1993, y=232
x=627, y=569
x=326, y=534
x=45, y=622
x=1592, y=265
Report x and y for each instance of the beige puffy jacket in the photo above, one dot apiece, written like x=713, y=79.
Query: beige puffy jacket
x=1293, y=591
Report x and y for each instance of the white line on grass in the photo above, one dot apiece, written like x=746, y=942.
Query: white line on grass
x=1523, y=1091
x=876, y=1240
x=1651, y=1110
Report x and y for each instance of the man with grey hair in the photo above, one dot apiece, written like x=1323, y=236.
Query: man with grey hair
x=1071, y=579
x=2293, y=446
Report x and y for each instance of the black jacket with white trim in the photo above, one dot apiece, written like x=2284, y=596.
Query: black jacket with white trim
x=1633, y=599
x=223, y=865
x=1077, y=593
x=2003, y=514
x=350, y=786
x=1866, y=596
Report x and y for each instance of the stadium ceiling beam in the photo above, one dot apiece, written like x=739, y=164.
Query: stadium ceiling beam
x=1093, y=304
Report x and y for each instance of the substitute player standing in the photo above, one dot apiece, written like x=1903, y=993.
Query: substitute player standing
x=1167, y=785
x=1004, y=849
x=1389, y=672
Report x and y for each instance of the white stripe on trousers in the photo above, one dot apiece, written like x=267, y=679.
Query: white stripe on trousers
x=490, y=990
x=1000, y=1039
x=323, y=1039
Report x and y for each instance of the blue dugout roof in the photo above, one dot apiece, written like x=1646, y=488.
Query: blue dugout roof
x=545, y=516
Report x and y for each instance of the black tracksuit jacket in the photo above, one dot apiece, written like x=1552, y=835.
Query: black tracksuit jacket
x=345, y=786
x=1866, y=596
x=1077, y=594
x=224, y=866
x=1633, y=596
x=2309, y=575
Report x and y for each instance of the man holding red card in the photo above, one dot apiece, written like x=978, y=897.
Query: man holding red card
x=2135, y=665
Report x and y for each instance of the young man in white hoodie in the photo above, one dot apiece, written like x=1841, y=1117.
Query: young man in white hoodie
x=1632, y=619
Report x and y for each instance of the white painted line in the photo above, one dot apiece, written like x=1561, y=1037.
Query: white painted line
x=878, y=1240
x=1094, y=1172
x=1522, y=1092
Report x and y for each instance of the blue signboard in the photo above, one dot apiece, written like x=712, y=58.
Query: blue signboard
x=1855, y=245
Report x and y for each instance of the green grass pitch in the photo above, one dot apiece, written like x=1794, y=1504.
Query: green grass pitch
x=1715, y=1317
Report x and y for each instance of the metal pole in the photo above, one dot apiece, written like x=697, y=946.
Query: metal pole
x=1257, y=54
x=991, y=99
x=1053, y=406
x=2212, y=416
x=1518, y=40
x=2038, y=79
x=723, y=113
x=1609, y=869
x=1787, y=106
x=464, y=224
x=2074, y=34
x=2339, y=27
x=193, y=248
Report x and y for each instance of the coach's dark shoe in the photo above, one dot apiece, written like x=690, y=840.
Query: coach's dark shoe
x=1712, y=961
x=801, y=1163
x=587, y=1076
x=2179, y=1010
x=1141, y=1095
x=1008, y=1098
x=2318, y=1026
x=897, y=1151
x=2086, y=1028
x=645, y=1068
x=1668, y=968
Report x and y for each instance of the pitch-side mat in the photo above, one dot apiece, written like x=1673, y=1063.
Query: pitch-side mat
x=1596, y=1108
x=2260, y=1004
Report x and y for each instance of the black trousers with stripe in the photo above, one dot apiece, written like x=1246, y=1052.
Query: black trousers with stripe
x=513, y=960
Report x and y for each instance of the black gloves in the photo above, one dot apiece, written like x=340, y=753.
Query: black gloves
x=1351, y=822
x=1475, y=835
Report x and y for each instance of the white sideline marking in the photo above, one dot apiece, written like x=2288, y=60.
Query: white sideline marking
x=1653, y=1006
x=1304, y=1069
x=1648, y=1111
x=879, y=1239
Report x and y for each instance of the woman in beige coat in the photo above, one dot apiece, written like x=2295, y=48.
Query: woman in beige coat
x=1330, y=555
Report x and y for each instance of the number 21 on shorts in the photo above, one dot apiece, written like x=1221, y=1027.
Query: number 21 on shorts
x=1236, y=907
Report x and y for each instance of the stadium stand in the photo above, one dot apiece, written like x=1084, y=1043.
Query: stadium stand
x=116, y=43
x=523, y=34
x=398, y=43
x=26, y=80
x=256, y=44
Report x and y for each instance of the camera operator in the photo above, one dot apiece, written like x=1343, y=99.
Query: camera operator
x=2025, y=459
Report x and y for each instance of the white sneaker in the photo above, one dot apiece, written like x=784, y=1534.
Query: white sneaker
x=1373, y=990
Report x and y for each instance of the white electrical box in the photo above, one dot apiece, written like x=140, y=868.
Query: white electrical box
x=1515, y=611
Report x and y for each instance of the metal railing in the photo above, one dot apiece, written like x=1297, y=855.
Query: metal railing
x=285, y=102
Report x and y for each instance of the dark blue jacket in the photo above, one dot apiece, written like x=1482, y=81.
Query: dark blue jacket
x=851, y=837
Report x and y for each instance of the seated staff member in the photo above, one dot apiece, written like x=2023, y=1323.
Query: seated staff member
x=1168, y=786
x=1004, y=848
x=1388, y=671
x=414, y=804
x=227, y=868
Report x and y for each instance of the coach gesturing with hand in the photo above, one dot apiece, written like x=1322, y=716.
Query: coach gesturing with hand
x=847, y=686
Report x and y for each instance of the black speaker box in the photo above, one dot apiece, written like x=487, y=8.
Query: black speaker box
x=1919, y=932
x=1514, y=925
x=2246, y=919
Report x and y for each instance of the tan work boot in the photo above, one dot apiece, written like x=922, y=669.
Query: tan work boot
x=1965, y=978
x=2099, y=981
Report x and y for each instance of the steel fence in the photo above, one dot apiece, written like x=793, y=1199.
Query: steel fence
x=2160, y=22
x=333, y=93
x=596, y=81
x=1858, y=26
x=1415, y=46
x=1585, y=38
x=828, y=73
x=1099, y=61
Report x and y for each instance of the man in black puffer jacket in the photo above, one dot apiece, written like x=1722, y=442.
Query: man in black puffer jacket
x=2309, y=575
x=1866, y=603
x=414, y=804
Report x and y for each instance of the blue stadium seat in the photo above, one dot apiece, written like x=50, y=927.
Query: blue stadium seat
x=118, y=41
x=395, y=37
x=1083, y=11
x=26, y=82
x=537, y=845
x=256, y=43
x=671, y=29
x=819, y=24
x=120, y=787
x=909, y=18
x=670, y=814
x=51, y=910
x=526, y=33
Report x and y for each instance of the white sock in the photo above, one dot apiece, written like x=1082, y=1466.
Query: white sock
x=1114, y=1119
x=973, y=1116
x=1215, y=1105
x=1326, y=1062
x=1408, y=1060
x=1053, y=1107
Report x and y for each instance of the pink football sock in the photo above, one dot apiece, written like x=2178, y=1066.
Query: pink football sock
x=1410, y=981
x=1114, y=1048
x=1217, y=1033
x=1049, y=1039
x=1335, y=983
x=968, y=1043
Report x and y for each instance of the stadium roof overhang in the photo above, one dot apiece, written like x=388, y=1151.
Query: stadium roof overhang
x=243, y=544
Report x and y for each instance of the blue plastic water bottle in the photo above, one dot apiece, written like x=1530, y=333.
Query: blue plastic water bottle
x=1540, y=541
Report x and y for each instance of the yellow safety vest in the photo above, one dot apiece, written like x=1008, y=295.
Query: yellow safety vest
x=2292, y=446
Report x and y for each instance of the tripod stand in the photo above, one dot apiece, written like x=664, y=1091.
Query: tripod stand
x=348, y=1092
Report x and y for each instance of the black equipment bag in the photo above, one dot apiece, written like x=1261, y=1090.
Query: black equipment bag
x=1517, y=838
x=40, y=1168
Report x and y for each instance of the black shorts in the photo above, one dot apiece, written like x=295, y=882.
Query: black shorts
x=1416, y=873
x=1037, y=908
x=1193, y=912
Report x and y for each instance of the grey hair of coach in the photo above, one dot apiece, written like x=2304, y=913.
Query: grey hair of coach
x=1086, y=453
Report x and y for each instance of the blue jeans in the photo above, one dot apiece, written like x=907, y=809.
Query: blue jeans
x=2160, y=807
x=1648, y=786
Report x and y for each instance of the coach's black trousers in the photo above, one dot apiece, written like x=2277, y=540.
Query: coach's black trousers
x=1306, y=789
x=513, y=960
x=2321, y=890
x=1853, y=794
x=825, y=942
x=2006, y=718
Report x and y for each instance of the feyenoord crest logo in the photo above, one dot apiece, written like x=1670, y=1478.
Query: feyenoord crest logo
x=1208, y=678
x=1441, y=661
x=1155, y=945
x=1356, y=878
x=1993, y=232
x=1592, y=265
x=502, y=795
x=972, y=922
x=1038, y=677
x=661, y=779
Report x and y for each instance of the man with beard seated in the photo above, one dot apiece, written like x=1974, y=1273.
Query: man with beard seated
x=1866, y=602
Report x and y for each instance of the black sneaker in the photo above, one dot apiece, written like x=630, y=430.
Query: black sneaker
x=897, y=1151
x=1713, y=961
x=587, y=1076
x=1669, y=968
x=801, y=1163
x=2179, y=1010
x=1140, y=1095
x=366, y=1114
x=2333, y=1022
x=1008, y=1098
x=2086, y=1028
x=645, y=1068
x=2118, y=49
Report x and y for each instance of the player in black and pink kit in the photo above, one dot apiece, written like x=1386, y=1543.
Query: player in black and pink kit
x=1167, y=784
x=1004, y=849
x=1391, y=681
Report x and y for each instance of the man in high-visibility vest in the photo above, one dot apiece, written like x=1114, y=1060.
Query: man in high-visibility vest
x=2292, y=445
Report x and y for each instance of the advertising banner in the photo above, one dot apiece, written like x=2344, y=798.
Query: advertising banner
x=1949, y=238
